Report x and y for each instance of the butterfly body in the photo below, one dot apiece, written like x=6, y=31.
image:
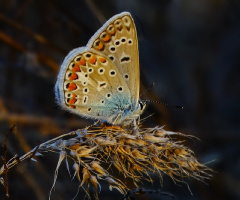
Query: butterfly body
x=101, y=81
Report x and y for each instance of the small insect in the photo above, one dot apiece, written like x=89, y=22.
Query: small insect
x=101, y=80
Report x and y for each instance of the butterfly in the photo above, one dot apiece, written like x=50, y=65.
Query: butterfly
x=101, y=80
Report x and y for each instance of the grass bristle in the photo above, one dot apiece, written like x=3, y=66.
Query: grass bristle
x=134, y=152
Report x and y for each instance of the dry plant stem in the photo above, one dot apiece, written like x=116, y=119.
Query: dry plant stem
x=134, y=151
x=5, y=161
x=12, y=162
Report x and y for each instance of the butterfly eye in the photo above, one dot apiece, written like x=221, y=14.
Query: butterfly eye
x=142, y=105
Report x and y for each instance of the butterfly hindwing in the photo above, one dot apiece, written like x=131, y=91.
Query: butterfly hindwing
x=92, y=86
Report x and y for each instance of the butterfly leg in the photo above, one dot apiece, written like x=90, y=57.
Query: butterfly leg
x=116, y=118
x=135, y=128
x=113, y=124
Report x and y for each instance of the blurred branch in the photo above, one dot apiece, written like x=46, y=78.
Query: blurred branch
x=42, y=58
x=4, y=158
x=29, y=155
x=96, y=11
x=32, y=34
x=3, y=109
x=70, y=17
x=44, y=122
x=130, y=194
x=11, y=42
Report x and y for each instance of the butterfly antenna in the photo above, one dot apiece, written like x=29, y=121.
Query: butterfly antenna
x=152, y=85
x=165, y=104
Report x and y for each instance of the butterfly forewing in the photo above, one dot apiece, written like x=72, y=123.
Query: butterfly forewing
x=117, y=40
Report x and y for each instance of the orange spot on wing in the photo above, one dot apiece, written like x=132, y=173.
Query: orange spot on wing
x=92, y=60
x=100, y=46
x=102, y=60
x=82, y=62
x=72, y=86
x=76, y=68
x=106, y=38
x=73, y=76
x=72, y=100
x=112, y=32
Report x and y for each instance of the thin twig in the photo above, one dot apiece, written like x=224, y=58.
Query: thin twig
x=31, y=153
x=4, y=158
x=34, y=152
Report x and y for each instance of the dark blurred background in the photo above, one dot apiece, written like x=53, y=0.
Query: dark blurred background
x=190, y=49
